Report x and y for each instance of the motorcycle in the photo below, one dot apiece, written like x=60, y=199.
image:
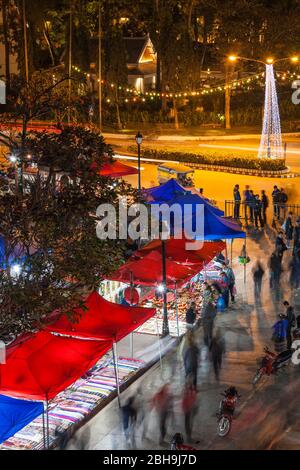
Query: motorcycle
x=271, y=362
x=227, y=408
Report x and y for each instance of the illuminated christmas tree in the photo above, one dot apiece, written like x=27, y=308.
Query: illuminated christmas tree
x=271, y=141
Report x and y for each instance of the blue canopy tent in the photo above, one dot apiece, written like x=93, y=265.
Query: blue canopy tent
x=15, y=414
x=213, y=227
x=171, y=192
x=166, y=191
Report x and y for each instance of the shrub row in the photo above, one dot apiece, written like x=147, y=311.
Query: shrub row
x=229, y=161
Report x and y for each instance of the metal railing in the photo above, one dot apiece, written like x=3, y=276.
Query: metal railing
x=244, y=211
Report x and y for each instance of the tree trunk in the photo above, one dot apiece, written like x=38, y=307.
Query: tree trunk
x=6, y=44
x=119, y=123
x=49, y=44
x=176, y=121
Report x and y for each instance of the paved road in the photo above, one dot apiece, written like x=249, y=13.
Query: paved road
x=266, y=418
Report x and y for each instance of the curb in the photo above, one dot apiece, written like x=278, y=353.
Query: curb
x=225, y=169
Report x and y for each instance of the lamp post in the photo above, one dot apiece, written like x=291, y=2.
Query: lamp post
x=139, y=140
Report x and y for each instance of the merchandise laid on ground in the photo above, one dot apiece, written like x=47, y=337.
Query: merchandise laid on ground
x=68, y=369
x=75, y=403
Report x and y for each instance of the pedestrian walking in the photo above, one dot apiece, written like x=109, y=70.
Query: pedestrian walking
x=231, y=280
x=283, y=199
x=288, y=229
x=191, y=360
x=265, y=205
x=189, y=408
x=290, y=316
x=190, y=316
x=295, y=270
x=258, y=274
x=217, y=350
x=208, y=317
x=275, y=272
x=279, y=334
x=162, y=402
x=257, y=207
x=276, y=201
x=280, y=246
x=224, y=284
x=237, y=201
x=129, y=415
x=296, y=246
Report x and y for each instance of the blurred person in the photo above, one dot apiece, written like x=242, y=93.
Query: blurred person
x=237, y=201
x=290, y=316
x=209, y=314
x=224, y=284
x=189, y=408
x=257, y=207
x=288, y=229
x=62, y=437
x=191, y=361
x=279, y=334
x=276, y=200
x=275, y=272
x=265, y=205
x=129, y=415
x=231, y=280
x=162, y=402
x=297, y=236
x=295, y=270
x=283, y=199
x=247, y=199
x=217, y=349
x=280, y=246
x=258, y=273
x=190, y=316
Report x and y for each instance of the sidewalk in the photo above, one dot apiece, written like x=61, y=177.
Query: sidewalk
x=247, y=328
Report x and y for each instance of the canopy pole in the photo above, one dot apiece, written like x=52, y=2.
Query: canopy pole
x=115, y=356
x=158, y=338
x=47, y=421
x=131, y=344
x=44, y=427
x=165, y=328
x=226, y=252
x=231, y=252
x=176, y=307
x=245, y=268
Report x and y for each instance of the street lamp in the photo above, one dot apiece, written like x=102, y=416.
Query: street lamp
x=139, y=140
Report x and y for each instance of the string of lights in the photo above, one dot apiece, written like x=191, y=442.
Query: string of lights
x=136, y=96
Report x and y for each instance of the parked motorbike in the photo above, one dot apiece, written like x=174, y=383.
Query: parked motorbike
x=226, y=410
x=271, y=362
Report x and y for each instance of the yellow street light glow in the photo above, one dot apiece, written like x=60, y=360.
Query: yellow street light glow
x=232, y=58
x=294, y=59
x=270, y=60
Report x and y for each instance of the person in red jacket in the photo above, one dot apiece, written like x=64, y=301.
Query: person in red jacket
x=189, y=408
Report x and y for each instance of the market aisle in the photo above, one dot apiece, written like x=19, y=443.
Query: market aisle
x=247, y=329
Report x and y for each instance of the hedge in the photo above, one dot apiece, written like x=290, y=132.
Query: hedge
x=230, y=161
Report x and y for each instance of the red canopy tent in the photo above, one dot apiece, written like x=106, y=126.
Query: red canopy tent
x=116, y=169
x=147, y=271
x=176, y=250
x=45, y=364
x=103, y=320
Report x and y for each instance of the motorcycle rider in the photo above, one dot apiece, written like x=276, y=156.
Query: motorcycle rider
x=229, y=401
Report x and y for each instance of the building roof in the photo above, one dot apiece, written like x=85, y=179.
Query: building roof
x=142, y=70
x=134, y=48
